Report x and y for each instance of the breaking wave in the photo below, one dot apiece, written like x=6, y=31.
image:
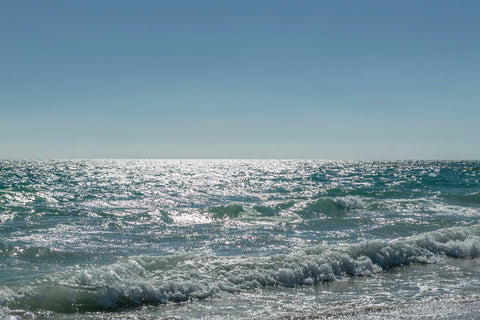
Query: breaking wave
x=156, y=280
x=333, y=206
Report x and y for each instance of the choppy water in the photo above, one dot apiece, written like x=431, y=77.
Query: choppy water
x=237, y=239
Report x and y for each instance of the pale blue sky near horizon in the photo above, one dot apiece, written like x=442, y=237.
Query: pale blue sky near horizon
x=240, y=79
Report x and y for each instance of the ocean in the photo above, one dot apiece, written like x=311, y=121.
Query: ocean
x=239, y=239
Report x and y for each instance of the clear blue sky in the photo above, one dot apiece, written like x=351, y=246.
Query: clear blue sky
x=240, y=79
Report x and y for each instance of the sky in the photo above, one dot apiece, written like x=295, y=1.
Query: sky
x=296, y=79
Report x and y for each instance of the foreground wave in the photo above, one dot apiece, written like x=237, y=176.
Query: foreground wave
x=156, y=280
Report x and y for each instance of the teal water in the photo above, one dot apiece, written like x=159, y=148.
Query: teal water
x=239, y=239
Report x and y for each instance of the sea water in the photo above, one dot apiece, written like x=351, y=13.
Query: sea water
x=239, y=239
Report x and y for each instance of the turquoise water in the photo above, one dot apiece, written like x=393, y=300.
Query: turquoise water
x=239, y=239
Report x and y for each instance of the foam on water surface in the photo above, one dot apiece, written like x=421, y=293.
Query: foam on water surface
x=236, y=239
x=151, y=279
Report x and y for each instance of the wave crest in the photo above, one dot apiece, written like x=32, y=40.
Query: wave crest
x=333, y=206
x=152, y=279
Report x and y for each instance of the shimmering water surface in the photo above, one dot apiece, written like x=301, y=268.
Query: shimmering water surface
x=239, y=239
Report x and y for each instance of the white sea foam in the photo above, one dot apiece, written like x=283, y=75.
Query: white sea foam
x=153, y=279
x=349, y=202
x=66, y=223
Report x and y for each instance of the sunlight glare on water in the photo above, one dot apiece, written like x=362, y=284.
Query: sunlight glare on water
x=238, y=239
